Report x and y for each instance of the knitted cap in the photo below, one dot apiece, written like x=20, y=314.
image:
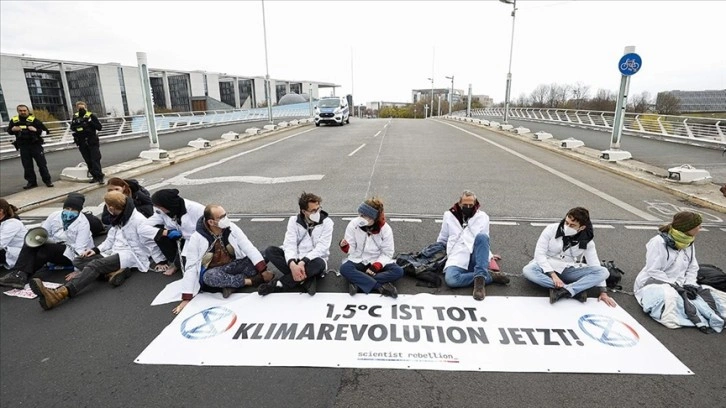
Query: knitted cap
x=74, y=201
x=685, y=221
x=368, y=211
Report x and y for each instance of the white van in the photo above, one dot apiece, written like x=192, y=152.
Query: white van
x=332, y=109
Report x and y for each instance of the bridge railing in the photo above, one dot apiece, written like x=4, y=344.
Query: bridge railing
x=710, y=131
x=61, y=134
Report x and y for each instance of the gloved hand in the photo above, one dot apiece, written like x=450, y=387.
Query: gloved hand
x=173, y=234
x=691, y=291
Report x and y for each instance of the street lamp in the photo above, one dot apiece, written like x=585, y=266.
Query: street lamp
x=431, y=113
x=451, y=96
x=509, y=72
x=267, y=69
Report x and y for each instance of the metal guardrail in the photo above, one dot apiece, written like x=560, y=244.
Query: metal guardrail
x=683, y=128
x=135, y=126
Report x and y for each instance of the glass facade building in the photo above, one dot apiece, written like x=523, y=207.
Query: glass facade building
x=247, y=91
x=281, y=90
x=157, y=92
x=83, y=85
x=701, y=101
x=4, y=116
x=226, y=92
x=180, y=93
x=46, y=92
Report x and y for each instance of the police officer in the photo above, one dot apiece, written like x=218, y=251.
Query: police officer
x=27, y=130
x=84, y=126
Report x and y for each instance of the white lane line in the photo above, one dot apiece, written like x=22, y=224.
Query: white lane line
x=438, y=221
x=503, y=223
x=625, y=206
x=704, y=229
x=406, y=219
x=226, y=159
x=376, y=135
x=235, y=219
x=539, y=224
x=267, y=219
x=723, y=229
x=603, y=226
x=641, y=227
x=348, y=218
x=356, y=150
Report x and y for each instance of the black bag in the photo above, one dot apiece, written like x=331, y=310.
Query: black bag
x=97, y=228
x=711, y=275
x=616, y=274
x=426, y=266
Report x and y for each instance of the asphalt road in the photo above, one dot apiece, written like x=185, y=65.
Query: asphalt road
x=113, y=152
x=81, y=354
x=660, y=153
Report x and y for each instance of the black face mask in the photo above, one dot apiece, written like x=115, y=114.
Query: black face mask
x=467, y=211
x=81, y=112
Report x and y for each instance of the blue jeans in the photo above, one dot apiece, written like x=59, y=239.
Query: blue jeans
x=576, y=279
x=457, y=277
x=355, y=274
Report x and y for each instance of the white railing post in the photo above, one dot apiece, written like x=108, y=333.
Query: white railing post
x=688, y=129
x=662, y=128
x=640, y=125
x=602, y=115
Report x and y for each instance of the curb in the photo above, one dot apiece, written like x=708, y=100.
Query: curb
x=632, y=169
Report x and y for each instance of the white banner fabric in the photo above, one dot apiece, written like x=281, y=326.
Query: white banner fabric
x=430, y=332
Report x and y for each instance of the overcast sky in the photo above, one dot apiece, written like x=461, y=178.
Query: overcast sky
x=390, y=47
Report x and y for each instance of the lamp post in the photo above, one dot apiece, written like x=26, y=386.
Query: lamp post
x=431, y=113
x=451, y=95
x=267, y=68
x=509, y=72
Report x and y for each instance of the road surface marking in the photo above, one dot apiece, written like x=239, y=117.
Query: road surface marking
x=641, y=227
x=356, y=150
x=376, y=135
x=266, y=219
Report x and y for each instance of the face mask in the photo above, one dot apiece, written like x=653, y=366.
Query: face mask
x=224, y=223
x=467, y=211
x=569, y=231
x=68, y=216
x=315, y=217
x=81, y=112
x=362, y=222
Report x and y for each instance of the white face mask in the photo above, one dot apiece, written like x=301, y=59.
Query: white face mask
x=569, y=231
x=361, y=222
x=224, y=223
x=315, y=217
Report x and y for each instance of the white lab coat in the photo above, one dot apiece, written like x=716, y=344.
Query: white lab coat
x=12, y=237
x=460, y=241
x=299, y=244
x=369, y=248
x=77, y=237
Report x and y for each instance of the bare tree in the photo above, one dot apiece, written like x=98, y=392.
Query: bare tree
x=522, y=100
x=641, y=102
x=563, y=94
x=553, y=92
x=667, y=104
x=538, y=96
x=604, y=100
x=579, y=94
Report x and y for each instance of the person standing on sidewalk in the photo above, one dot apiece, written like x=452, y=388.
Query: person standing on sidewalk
x=28, y=130
x=85, y=124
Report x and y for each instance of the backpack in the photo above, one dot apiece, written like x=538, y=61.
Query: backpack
x=426, y=266
x=711, y=275
x=97, y=228
x=616, y=274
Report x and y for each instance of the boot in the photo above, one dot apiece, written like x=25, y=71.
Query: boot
x=500, y=278
x=49, y=298
x=581, y=297
x=117, y=278
x=387, y=289
x=352, y=289
x=479, y=291
x=16, y=279
x=557, y=294
x=226, y=292
x=310, y=285
x=271, y=287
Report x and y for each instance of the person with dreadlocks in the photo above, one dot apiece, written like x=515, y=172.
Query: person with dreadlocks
x=566, y=260
x=666, y=287
x=465, y=232
x=220, y=257
x=177, y=219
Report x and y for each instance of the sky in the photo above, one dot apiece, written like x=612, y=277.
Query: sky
x=381, y=50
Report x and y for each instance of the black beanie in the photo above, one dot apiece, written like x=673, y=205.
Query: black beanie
x=169, y=199
x=74, y=201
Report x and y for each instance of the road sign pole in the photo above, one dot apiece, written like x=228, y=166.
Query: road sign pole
x=629, y=64
x=620, y=112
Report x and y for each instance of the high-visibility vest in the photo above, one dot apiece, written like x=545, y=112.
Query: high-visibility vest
x=86, y=116
x=16, y=120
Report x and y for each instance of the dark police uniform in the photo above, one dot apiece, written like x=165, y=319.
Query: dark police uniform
x=30, y=145
x=84, y=126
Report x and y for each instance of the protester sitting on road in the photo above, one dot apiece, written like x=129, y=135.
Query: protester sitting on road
x=220, y=256
x=369, y=244
x=558, y=262
x=130, y=188
x=12, y=234
x=666, y=287
x=305, y=250
x=69, y=235
x=465, y=232
x=129, y=242
x=177, y=217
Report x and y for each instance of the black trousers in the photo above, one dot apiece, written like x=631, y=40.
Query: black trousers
x=35, y=152
x=2, y=256
x=276, y=256
x=30, y=260
x=91, y=268
x=170, y=251
x=92, y=156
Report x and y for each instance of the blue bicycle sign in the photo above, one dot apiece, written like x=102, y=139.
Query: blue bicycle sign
x=630, y=64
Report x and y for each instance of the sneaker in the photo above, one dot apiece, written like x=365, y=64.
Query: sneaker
x=479, y=291
x=227, y=291
x=270, y=287
x=352, y=289
x=387, y=289
x=15, y=279
x=581, y=297
x=500, y=278
x=557, y=294
x=310, y=285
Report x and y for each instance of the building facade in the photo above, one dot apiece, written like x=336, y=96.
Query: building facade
x=115, y=90
x=700, y=101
